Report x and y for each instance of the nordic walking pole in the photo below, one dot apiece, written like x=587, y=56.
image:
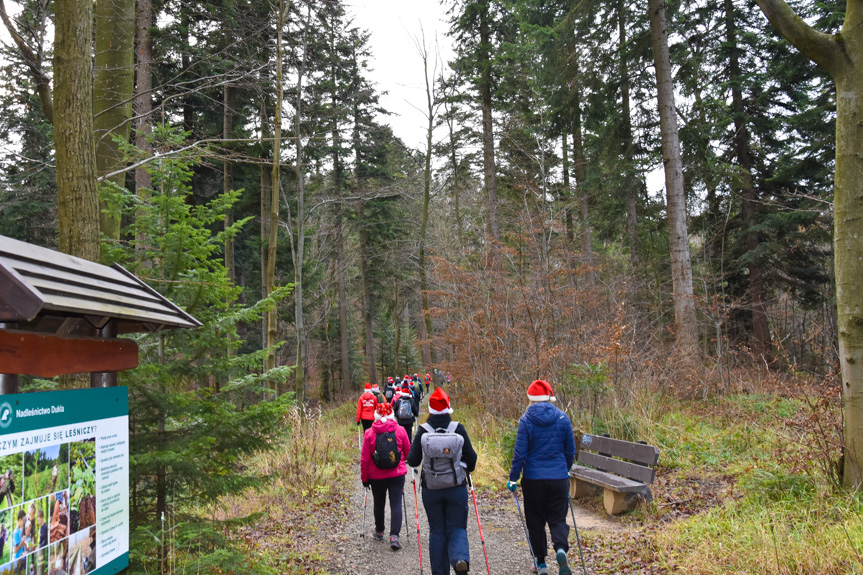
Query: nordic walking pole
x=365, y=500
x=359, y=438
x=577, y=538
x=523, y=524
x=417, y=512
x=405, y=508
x=479, y=526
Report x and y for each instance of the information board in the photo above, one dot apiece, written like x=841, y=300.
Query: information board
x=64, y=482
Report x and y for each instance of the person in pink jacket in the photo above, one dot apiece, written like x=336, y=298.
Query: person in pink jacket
x=383, y=469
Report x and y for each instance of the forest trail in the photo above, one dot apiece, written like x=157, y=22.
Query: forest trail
x=504, y=538
x=502, y=529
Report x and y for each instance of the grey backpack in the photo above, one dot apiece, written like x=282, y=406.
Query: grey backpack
x=442, y=466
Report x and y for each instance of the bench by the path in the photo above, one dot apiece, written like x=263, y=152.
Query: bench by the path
x=622, y=469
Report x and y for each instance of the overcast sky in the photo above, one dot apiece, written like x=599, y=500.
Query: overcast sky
x=396, y=65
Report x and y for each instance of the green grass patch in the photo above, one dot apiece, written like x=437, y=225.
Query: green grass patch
x=737, y=493
x=40, y=484
x=754, y=534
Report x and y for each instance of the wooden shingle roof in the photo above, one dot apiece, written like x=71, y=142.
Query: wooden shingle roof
x=47, y=291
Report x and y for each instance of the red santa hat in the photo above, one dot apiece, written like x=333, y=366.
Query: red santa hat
x=406, y=391
x=368, y=385
x=540, y=390
x=383, y=412
x=375, y=386
x=439, y=402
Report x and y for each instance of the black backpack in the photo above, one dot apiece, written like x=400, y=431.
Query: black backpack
x=388, y=394
x=387, y=454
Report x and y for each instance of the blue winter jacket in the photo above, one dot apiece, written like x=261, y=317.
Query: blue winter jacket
x=544, y=446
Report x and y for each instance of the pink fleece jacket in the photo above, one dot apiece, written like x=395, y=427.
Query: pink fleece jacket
x=368, y=469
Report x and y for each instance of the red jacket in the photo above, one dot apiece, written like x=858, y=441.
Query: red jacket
x=366, y=406
x=368, y=469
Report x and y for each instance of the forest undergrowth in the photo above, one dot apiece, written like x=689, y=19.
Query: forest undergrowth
x=746, y=482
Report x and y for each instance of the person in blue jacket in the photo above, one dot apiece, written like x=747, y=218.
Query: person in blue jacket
x=544, y=453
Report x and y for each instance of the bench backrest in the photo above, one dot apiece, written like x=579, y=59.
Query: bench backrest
x=632, y=460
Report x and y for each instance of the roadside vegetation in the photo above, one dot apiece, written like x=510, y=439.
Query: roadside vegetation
x=746, y=482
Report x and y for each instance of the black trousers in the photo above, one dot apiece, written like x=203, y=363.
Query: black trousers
x=546, y=502
x=367, y=423
x=408, y=427
x=395, y=487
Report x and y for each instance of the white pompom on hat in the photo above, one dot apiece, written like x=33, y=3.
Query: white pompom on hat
x=540, y=390
x=439, y=402
x=383, y=412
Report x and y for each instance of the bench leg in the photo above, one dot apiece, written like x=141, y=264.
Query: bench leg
x=581, y=489
x=616, y=503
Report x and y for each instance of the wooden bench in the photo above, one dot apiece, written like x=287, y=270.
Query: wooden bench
x=622, y=469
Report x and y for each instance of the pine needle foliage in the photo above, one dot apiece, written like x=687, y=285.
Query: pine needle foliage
x=197, y=405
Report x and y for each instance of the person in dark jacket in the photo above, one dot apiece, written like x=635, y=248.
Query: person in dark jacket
x=446, y=509
x=43, y=528
x=405, y=396
x=376, y=391
x=544, y=453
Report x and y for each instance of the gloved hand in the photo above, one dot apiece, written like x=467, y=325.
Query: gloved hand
x=511, y=485
x=367, y=485
x=358, y=424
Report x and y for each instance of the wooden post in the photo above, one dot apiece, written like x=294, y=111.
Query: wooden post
x=8, y=381
x=107, y=378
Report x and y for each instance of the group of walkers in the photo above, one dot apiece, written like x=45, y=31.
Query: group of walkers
x=544, y=453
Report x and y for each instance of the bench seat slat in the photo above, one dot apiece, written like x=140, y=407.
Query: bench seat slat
x=635, y=452
x=630, y=470
x=606, y=480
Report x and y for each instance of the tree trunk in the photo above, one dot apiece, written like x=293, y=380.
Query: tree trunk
x=757, y=293
x=113, y=88
x=344, y=343
x=566, y=193
x=300, y=372
x=842, y=56
x=266, y=202
x=368, y=318
x=33, y=56
x=273, y=236
x=77, y=193
x=338, y=184
x=686, y=329
x=143, y=104
x=397, y=324
x=427, y=347
x=228, y=185
x=630, y=192
x=581, y=189
x=186, y=61
x=489, y=167
x=456, y=191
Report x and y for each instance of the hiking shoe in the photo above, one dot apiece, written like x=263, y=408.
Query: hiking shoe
x=379, y=535
x=543, y=569
x=563, y=563
x=461, y=567
x=394, y=542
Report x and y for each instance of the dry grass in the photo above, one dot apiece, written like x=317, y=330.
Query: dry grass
x=316, y=447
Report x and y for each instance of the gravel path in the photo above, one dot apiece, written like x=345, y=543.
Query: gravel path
x=504, y=537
